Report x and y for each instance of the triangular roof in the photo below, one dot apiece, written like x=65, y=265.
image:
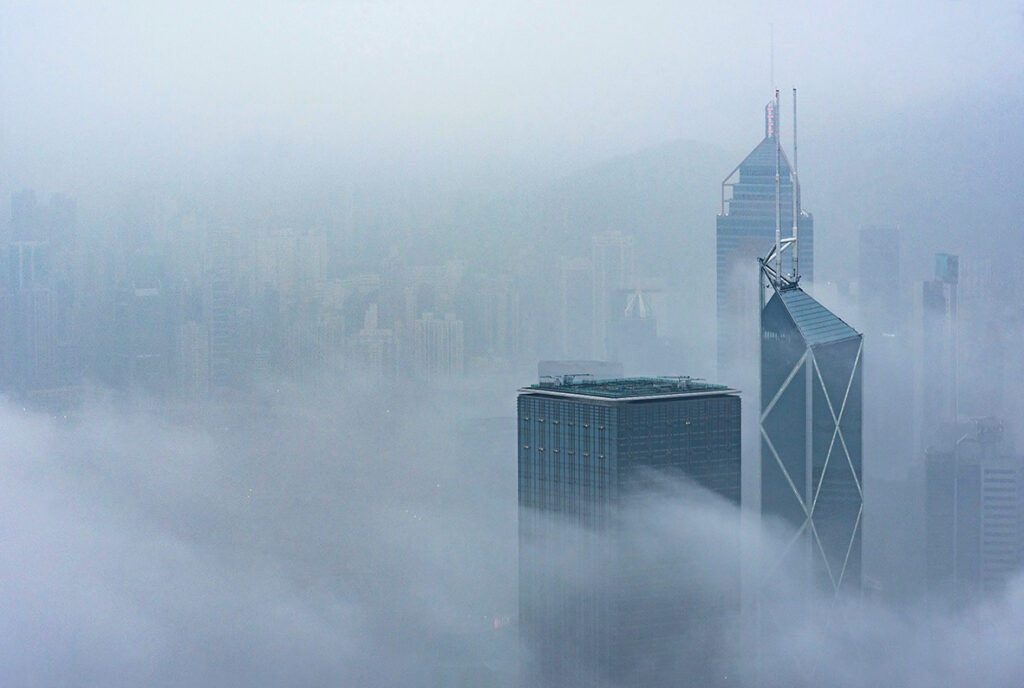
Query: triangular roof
x=817, y=324
x=761, y=161
x=638, y=306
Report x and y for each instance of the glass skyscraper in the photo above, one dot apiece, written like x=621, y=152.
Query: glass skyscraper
x=584, y=447
x=811, y=364
x=745, y=226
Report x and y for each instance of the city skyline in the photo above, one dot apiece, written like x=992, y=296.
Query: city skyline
x=345, y=343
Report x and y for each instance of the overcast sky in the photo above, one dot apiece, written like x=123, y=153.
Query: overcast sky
x=104, y=89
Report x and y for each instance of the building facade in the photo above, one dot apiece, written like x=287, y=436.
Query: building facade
x=811, y=472
x=584, y=447
x=974, y=507
x=745, y=225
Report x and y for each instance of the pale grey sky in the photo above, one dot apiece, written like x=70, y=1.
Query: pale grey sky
x=97, y=89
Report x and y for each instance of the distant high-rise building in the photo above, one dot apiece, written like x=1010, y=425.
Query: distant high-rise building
x=375, y=348
x=438, y=348
x=143, y=327
x=575, y=308
x=29, y=336
x=27, y=265
x=745, y=226
x=611, y=260
x=583, y=447
x=879, y=283
x=145, y=340
x=991, y=326
x=889, y=382
x=974, y=511
x=496, y=327
x=811, y=473
x=221, y=308
x=633, y=334
x=34, y=327
x=937, y=361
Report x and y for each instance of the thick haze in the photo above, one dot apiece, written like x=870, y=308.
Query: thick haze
x=305, y=182
x=412, y=118
x=94, y=94
x=318, y=545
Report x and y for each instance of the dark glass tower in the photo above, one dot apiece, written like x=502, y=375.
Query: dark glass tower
x=811, y=435
x=587, y=616
x=745, y=226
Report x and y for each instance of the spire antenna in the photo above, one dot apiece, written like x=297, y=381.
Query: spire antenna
x=796, y=203
x=778, y=198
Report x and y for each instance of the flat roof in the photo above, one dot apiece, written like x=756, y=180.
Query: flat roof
x=626, y=389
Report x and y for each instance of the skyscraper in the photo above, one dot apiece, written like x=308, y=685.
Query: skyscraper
x=583, y=447
x=612, y=265
x=879, y=283
x=143, y=319
x=438, y=348
x=575, y=308
x=33, y=335
x=938, y=355
x=974, y=488
x=991, y=325
x=376, y=348
x=811, y=434
x=746, y=224
x=633, y=334
x=889, y=383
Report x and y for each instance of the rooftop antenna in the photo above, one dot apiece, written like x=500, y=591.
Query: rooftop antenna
x=771, y=53
x=778, y=199
x=796, y=204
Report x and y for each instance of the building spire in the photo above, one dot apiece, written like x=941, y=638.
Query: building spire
x=778, y=196
x=771, y=124
x=796, y=200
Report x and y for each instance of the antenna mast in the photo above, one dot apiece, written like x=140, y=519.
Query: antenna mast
x=778, y=199
x=796, y=205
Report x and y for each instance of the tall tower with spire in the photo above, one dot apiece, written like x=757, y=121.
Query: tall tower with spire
x=811, y=416
x=745, y=225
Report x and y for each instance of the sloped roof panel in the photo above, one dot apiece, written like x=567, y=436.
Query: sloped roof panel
x=817, y=324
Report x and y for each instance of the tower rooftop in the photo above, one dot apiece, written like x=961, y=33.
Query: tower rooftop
x=817, y=324
x=627, y=389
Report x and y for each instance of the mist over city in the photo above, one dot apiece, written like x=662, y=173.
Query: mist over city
x=379, y=343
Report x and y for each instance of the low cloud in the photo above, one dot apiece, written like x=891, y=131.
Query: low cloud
x=295, y=540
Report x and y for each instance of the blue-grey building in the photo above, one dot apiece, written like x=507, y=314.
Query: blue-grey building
x=745, y=225
x=584, y=446
x=811, y=415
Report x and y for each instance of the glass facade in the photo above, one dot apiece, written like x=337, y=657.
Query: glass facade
x=811, y=436
x=744, y=228
x=579, y=455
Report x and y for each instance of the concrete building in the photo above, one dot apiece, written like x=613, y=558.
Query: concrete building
x=974, y=511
